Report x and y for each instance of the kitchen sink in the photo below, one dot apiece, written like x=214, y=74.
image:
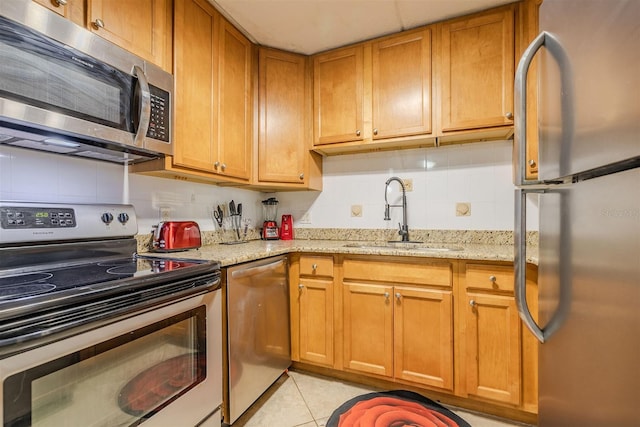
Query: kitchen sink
x=408, y=246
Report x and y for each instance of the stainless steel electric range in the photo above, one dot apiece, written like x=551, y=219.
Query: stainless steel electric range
x=93, y=332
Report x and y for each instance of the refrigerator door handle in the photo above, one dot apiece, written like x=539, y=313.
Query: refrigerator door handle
x=520, y=263
x=520, y=107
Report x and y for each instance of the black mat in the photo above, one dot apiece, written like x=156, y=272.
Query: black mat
x=394, y=408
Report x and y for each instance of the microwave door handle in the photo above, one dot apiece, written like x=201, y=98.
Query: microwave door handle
x=145, y=106
x=520, y=106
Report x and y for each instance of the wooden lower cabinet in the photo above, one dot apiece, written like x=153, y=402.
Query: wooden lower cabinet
x=312, y=315
x=444, y=327
x=492, y=347
x=423, y=336
x=396, y=322
x=368, y=329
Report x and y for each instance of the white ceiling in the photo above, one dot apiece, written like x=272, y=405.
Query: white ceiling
x=311, y=26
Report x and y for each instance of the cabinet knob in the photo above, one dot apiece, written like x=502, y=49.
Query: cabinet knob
x=314, y=267
x=223, y=166
x=301, y=286
x=216, y=165
x=398, y=296
x=509, y=115
x=357, y=132
x=532, y=163
x=301, y=176
x=472, y=303
x=386, y=295
x=492, y=278
x=60, y=2
x=375, y=131
x=98, y=23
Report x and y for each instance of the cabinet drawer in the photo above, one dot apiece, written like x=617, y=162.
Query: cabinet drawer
x=316, y=266
x=424, y=273
x=492, y=277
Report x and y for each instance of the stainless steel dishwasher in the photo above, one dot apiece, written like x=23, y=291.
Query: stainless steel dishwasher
x=257, y=332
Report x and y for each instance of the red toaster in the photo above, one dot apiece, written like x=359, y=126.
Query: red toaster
x=173, y=236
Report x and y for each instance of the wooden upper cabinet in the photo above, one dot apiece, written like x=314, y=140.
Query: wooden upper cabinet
x=195, y=24
x=282, y=138
x=70, y=9
x=235, y=111
x=213, y=93
x=142, y=27
x=338, y=95
x=476, y=70
x=401, y=85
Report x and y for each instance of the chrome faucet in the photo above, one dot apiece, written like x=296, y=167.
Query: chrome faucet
x=404, y=228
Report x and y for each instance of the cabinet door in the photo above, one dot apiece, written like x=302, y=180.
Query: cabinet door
x=492, y=341
x=282, y=145
x=423, y=336
x=476, y=70
x=315, y=299
x=338, y=95
x=140, y=26
x=234, y=103
x=70, y=9
x=194, y=27
x=368, y=329
x=402, y=85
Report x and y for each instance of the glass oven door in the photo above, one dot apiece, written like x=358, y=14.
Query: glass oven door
x=123, y=380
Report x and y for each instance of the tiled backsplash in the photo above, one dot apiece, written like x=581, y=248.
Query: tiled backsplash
x=37, y=176
x=479, y=174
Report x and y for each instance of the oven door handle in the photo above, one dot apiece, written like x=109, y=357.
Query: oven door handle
x=20, y=334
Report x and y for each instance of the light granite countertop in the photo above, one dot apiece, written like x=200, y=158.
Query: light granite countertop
x=252, y=250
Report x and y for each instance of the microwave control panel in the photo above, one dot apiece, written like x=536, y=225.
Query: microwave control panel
x=160, y=114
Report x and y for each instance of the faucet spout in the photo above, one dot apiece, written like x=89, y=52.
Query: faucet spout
x=404, y=228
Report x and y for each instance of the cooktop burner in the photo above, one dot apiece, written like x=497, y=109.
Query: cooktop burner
x=85, y=275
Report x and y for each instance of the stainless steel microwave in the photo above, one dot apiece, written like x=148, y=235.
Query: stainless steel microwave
x=66, y=90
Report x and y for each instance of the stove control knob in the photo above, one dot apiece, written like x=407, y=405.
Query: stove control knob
x=123, y=217
x=107, y=217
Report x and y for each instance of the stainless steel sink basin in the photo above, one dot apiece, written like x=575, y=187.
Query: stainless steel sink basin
x=406, y=246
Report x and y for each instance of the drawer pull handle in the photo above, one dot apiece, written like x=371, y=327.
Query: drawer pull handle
x=61, y=2
x=314, y=267
x=492, y=279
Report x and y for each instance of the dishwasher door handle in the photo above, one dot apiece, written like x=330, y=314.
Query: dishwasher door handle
x=252, y=271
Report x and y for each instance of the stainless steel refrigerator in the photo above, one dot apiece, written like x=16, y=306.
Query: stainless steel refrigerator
x=588, y=197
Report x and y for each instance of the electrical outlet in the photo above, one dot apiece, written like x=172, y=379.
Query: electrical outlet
x=305, y=218
x=463, y=209
x=356, y=211
x=408, y=184
x=165, y=213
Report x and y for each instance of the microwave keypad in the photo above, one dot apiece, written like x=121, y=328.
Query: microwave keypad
x=160, y=109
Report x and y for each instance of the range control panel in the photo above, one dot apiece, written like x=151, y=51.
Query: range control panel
x=35, y=222
x=27, y=217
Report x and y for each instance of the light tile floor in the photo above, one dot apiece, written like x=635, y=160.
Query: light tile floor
x=299, y=399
